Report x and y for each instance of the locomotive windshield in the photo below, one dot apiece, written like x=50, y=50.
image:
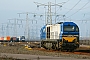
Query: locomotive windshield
x=69, y=28
x=77, y=29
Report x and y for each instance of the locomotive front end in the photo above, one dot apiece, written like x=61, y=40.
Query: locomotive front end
x=70, y=42
x=70, y=36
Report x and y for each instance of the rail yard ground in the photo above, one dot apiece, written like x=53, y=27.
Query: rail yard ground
x=23, y=51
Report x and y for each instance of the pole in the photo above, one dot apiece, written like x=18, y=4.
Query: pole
x=55, y=11
x=49, y=15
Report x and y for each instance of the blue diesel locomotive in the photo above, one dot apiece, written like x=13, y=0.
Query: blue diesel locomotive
x=62, y=36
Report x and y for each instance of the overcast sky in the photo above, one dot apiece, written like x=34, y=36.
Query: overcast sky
x=10, y=8
x=73, y=9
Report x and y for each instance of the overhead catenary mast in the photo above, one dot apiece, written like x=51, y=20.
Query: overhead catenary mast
x=49, y=13
x=27, y=26
x=15, y=26
x=2, y=28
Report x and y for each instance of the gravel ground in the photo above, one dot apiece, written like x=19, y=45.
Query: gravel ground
x=17, y=49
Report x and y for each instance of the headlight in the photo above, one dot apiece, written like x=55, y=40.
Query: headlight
x=65, y=40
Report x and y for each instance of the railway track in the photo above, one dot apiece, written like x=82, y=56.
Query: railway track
x=79, y=52
x=36, y=46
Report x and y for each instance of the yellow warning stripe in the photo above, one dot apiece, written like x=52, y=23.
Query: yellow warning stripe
x=70, y=39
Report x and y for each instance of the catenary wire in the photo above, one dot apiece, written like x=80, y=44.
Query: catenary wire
x=63, y=4
x=73, y=7
x=78, y=10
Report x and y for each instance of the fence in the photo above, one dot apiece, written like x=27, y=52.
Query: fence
x=85, y=42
